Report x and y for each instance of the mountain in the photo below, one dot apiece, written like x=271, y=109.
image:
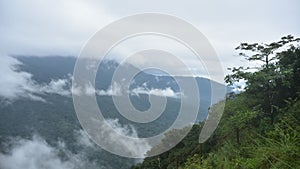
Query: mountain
x=52, y=116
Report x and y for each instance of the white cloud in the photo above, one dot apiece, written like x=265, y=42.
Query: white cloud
x=33, y=154
x=134, y=147
x=15, y=83
x=50, y=27
x=113, y=90
x=58, y=86
x=36, y=153
x=239, y=87
x=83, y=139
x=167, y=55
x=167, y=92
x=89, y=89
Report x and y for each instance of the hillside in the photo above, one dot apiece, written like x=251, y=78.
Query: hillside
x=42, y=114
x=256, y=131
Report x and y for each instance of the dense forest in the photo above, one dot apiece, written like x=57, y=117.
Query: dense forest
x=260, y=126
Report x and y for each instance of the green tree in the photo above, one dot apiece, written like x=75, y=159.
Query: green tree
x=262, y=81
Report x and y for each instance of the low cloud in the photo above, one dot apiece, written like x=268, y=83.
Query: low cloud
x=89, y=89
x=113, y=90
x=84, y=140
x=13, y=82
x=167, y=92
x=58, y=86
x=16, y=84
x=36, y=153
x=135, y=147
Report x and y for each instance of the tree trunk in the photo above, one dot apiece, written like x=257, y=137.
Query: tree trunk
x=237, y=130
x=269, y=93
x=201, y=154
x=159, y=166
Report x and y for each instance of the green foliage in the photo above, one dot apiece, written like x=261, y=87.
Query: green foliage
x=177, y=156
x=245, y=138
x=272, y=80
x=279, y=149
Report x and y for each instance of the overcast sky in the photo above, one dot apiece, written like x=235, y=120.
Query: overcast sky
x=62, y=27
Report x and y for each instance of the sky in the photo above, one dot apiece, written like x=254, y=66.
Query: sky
x=62, y=27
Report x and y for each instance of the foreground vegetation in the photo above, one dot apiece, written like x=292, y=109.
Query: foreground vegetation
x=260, y=127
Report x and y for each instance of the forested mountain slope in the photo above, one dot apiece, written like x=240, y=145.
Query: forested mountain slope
x=260, y=127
